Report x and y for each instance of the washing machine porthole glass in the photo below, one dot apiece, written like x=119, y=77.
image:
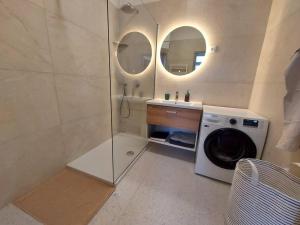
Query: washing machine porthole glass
x=225, y=147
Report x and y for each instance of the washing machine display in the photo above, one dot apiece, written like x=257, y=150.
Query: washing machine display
x=225, y=147
x=251, y=123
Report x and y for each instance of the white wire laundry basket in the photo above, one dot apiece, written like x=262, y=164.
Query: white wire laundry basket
x=263, y=194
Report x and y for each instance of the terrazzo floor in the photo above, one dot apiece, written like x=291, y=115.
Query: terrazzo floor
x=160, y=189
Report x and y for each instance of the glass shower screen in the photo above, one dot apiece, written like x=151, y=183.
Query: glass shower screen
x=132, y=38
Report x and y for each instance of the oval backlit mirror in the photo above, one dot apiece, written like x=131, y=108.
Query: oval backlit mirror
x=134, y=52
x=183, y=50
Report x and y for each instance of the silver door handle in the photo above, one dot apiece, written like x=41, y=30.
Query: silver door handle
x=171, y=112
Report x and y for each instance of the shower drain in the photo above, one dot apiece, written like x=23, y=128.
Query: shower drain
x=130, y=153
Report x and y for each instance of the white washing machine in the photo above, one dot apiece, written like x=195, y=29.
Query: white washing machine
x=226, y=136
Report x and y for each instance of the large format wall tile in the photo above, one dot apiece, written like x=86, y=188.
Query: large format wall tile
x=27, y=103
x=76, y=50
x=135, y=124
x=237, y=28
x=282, y=10
x=90, y=15
x=82, y=96
x=46, y=120
x=236, y=60
x=28, y=160
x=230, y=17
x=219, y=94
x=23, y=37
x=80, y=136
x=281, y=41
x=40, y=3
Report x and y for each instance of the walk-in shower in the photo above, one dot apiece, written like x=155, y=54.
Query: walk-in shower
x=132, y=44
x=132, y=78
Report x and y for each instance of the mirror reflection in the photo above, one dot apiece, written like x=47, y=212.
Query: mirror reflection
x=183, y=50
x=134, y=52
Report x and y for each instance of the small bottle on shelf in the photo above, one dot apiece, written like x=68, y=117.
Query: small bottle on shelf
x=187, y=96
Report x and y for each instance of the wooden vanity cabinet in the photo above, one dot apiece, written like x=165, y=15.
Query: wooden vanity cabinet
x=183, y=118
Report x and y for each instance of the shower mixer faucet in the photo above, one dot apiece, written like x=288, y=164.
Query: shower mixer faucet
x=136, y=85
x=124, y=89
x=177, y=96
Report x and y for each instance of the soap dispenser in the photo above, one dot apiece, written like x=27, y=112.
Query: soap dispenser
x=187, y=96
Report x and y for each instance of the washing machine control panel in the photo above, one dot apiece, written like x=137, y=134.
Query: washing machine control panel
x=232, y=121
x=235, y=122
x=250, y=123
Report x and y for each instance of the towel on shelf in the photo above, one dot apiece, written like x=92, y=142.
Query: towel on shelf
x=290, y=139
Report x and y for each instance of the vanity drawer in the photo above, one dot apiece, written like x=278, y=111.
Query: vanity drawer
x=174, y=117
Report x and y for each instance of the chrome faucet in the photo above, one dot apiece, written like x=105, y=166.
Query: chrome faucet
x=177, y=96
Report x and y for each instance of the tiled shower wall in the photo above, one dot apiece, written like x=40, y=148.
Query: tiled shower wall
x=120, y=24
x=281, y=41
x=54, y=87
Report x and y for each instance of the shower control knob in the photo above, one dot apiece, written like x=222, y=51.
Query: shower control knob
x=232, y=121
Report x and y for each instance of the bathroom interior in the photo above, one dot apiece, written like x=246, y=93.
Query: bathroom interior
x=105, y=106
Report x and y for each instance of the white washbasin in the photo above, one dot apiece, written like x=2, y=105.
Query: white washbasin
x=173, y=103
x=185, y=103
x=178, y=102
x=166, y=101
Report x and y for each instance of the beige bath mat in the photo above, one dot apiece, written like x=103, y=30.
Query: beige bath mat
x=69, y=198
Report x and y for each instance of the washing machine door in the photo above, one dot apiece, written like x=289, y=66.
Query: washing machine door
x=225, y=147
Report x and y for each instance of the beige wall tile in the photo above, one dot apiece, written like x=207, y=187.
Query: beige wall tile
x=281, y=10
x=236, y=27
x=23, y=35
x=280, y=44
x=80, y=136
x=221, y=94
x=281, y=41
x=27, y=103
x=136, y=123
x=236, y=60
x=114, y=23
x=230, y=17
x=82, y=96
x=28, y=160
x=34, y=143
x=82, y=13
x=40, y=3
x=75, y=50
x=267, y=100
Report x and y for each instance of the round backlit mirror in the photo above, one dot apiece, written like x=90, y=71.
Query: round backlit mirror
x=183, y=50
x=134, y=52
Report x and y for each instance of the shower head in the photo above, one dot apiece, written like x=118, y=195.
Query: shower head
x=129, y=8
